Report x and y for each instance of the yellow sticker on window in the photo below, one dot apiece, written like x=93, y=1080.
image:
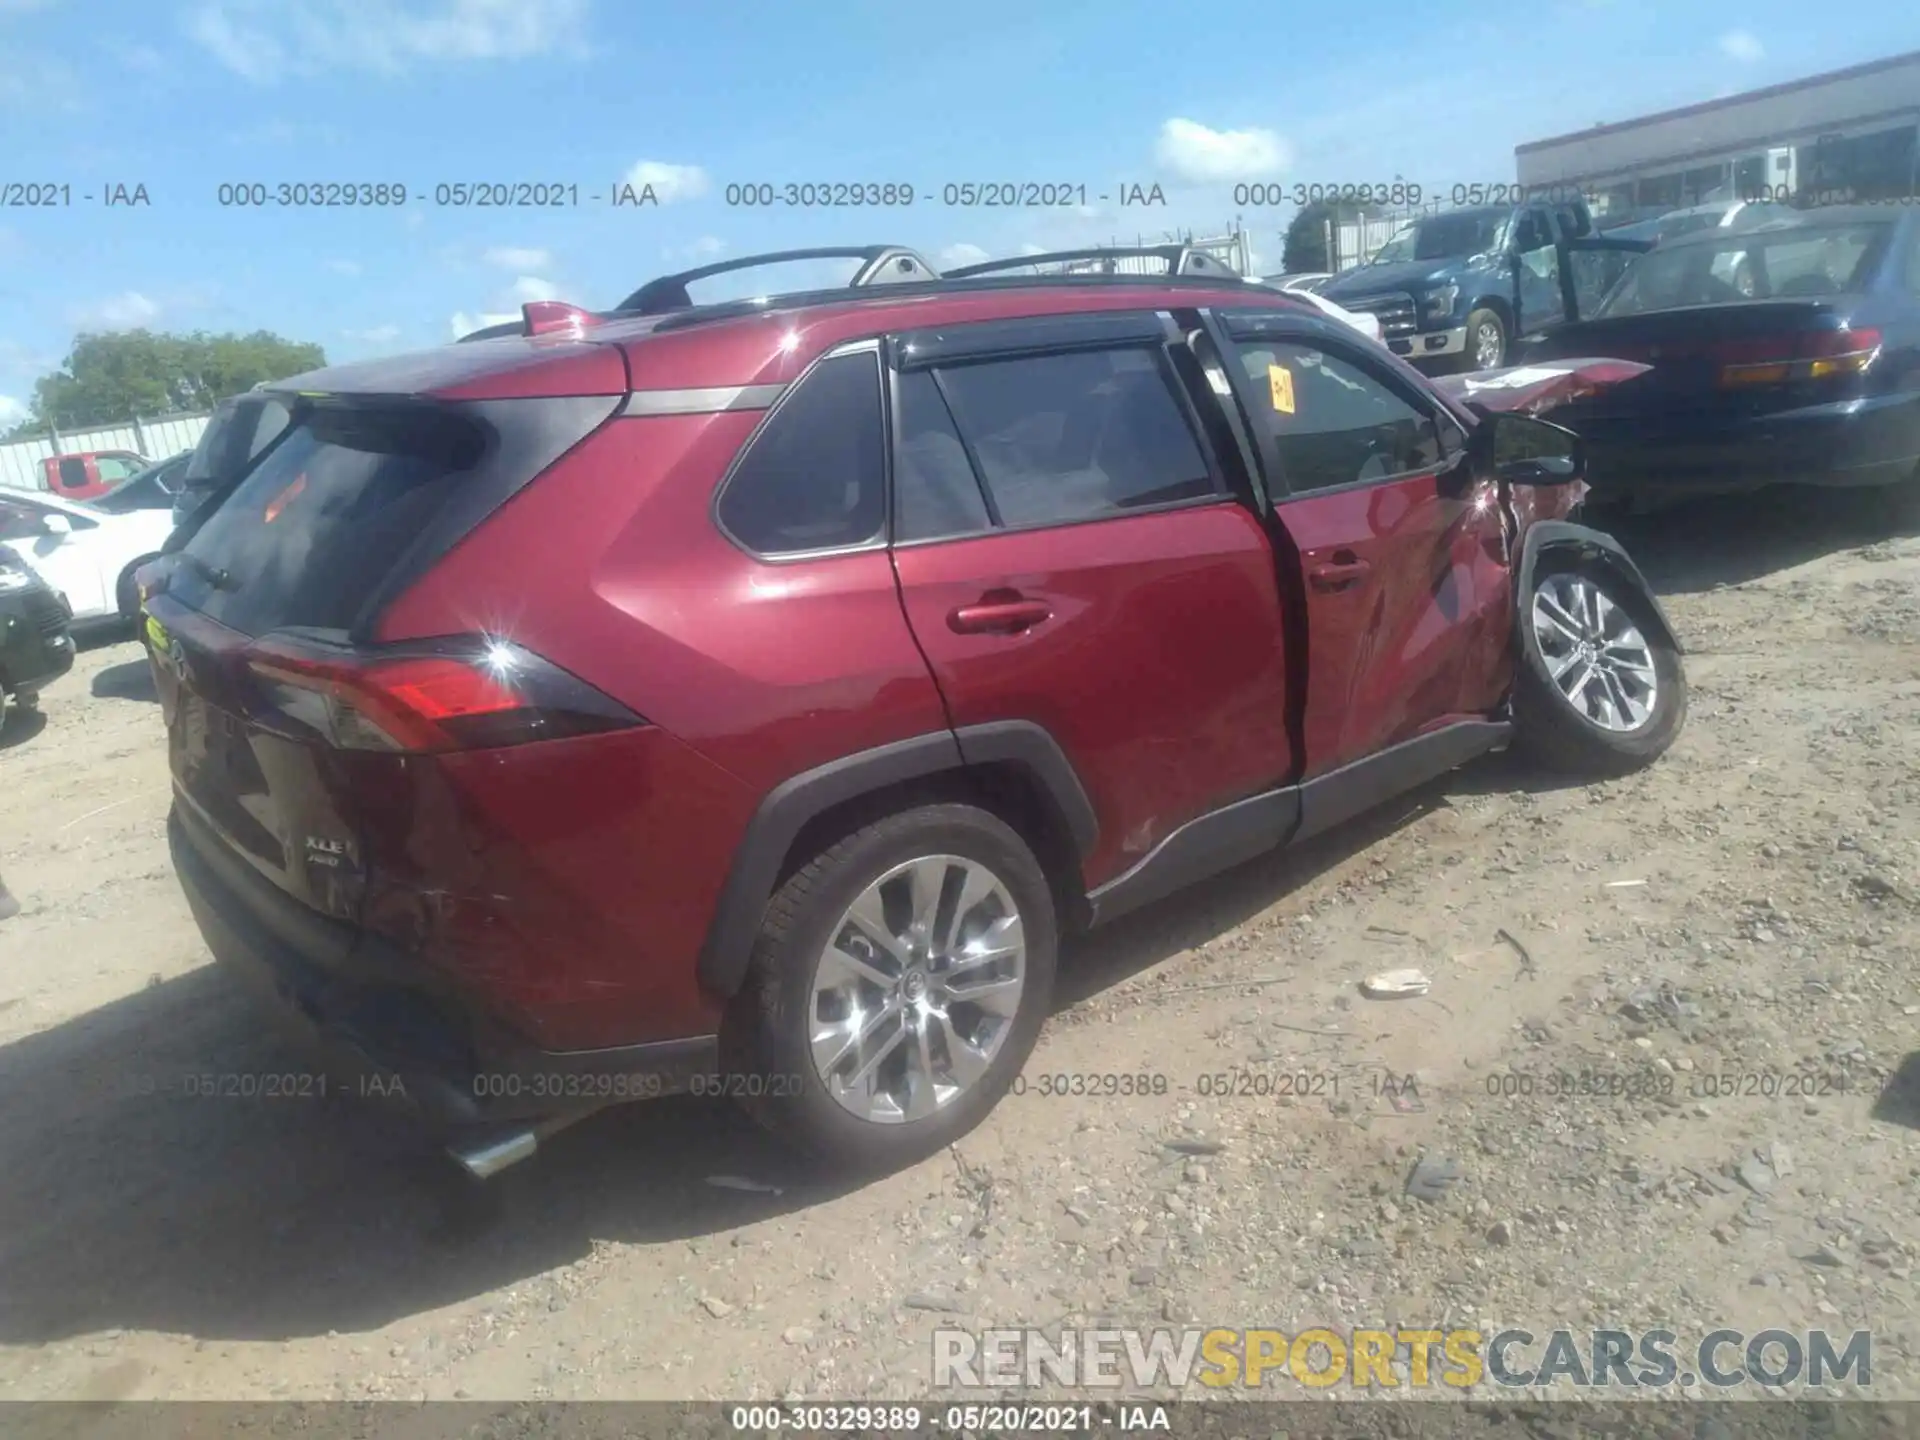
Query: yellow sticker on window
x=1280, y=382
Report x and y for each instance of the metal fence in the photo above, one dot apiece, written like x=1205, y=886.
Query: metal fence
x=1233, y=248
x=20, y=460
x=1354, y=242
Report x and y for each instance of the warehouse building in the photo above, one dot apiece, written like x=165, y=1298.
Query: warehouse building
x=1851, y=134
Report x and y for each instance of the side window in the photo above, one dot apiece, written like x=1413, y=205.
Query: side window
x=935, y=492
x=813, y=478
x=1079, y=435
x=114, y=468
x=18, y=522
x=73, y=472
x=1331, y=422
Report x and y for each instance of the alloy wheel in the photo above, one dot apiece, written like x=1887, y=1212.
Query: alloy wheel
x=917, y=988
x=1596, y=656
x=1486, y=345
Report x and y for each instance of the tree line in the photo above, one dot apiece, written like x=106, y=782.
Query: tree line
x=111, y=378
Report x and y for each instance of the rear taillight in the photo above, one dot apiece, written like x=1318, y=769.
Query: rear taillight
x=1809, y=355
x=470, y=693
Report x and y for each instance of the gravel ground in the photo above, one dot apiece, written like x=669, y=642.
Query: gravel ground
x=1706, y=935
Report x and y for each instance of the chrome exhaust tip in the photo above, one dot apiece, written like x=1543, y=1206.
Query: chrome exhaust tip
x=487, y=1158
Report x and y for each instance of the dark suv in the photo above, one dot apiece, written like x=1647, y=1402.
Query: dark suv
x=36, y=644
x=747, y=697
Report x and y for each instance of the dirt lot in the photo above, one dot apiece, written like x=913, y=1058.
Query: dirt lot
x=1745, y=909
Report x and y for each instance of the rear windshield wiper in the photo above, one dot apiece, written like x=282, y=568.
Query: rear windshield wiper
x=218, y=578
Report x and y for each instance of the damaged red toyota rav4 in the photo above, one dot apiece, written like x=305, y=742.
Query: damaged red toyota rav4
x=760, y=690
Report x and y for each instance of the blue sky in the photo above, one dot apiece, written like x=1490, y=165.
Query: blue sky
x=182, y=96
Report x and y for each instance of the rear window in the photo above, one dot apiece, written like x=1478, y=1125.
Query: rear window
x=310, y=534
x=1805, y=262
x=235, y=436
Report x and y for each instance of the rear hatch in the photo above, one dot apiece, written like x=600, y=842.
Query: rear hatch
x=290, y=731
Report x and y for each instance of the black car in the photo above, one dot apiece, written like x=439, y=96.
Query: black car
x=153, y=488
x=35, y=646
x=238, y=434
x=1787, y=352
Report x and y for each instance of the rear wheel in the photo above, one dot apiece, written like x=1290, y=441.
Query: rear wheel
x=900, y=981
x=1600, y=690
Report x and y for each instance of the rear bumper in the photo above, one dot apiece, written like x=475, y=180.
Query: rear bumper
x=1848, y=443
x=36, y=646
x=378, y=1025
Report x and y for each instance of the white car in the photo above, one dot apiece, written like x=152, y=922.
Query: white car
x=1367, y=325
x=85, y=553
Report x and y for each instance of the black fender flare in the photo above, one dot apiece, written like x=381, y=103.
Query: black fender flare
x=786, y=809
x=1591, y=544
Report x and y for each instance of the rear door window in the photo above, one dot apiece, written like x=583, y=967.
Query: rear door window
x=936, y=492
x=1077, y=436
x=73, y=473
x=311, y=533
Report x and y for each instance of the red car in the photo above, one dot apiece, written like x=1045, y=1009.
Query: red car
x=86, y=474
x=747, y=697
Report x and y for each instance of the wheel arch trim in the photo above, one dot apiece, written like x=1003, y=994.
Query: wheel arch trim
x=786, y=810
x=1554, y=536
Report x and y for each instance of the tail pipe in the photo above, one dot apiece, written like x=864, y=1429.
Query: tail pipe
x=487, y=1155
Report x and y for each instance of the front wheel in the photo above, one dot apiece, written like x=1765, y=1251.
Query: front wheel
x=899, y=982
x=1599, y=689
x=1486, y=340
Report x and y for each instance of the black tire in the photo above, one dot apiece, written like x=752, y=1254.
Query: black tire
x=1550, y=730
x=765, y=1047
x=1478, y=319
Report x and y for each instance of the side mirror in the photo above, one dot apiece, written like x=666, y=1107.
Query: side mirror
x=1526, y=450
x=56, y=524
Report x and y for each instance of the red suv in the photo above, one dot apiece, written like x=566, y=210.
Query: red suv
x=747, y=697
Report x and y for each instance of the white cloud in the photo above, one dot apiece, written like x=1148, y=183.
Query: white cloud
x=378, y=335
x=12, y=412
x=1198, y=154
x=461, y=323
x=266, y=40
x=1742, y=45
x=1032, y=249
x=128, y=310
x=519, y=257
x=669, y=182
x=349, y=268
x=532, y=287
x=962, y=253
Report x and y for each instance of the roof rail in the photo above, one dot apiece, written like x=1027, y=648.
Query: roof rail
x=880, y=265
x=666, y=298
x=1180, y=259
x=800, y=300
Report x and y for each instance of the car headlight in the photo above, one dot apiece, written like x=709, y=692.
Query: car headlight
x=1439, y=302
